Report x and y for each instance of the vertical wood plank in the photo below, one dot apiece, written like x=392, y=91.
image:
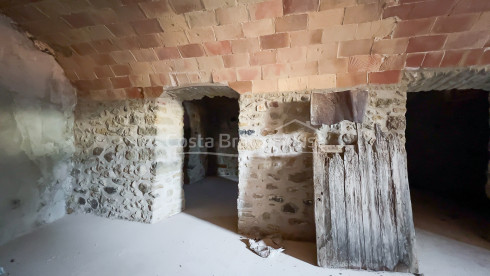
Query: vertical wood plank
x=322, y=208
x=353, y=206
x=404, y=220
x=385, y=202
x=366, y=242
x=337, y=210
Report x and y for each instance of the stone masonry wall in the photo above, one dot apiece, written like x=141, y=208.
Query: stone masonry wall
x=275, y=166
x=123, y=168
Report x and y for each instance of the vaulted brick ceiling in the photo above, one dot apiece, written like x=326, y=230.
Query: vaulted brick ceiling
x=113, y=49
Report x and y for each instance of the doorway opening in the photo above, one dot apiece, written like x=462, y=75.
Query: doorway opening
x=211, y=159
x=447, y=140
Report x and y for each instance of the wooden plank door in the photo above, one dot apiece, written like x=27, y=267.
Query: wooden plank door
x=362, y=205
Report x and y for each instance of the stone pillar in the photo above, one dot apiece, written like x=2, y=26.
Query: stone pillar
x=275, y=166
x=128, y=162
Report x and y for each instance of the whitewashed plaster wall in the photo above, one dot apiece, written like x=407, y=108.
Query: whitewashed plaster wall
x=36, y=138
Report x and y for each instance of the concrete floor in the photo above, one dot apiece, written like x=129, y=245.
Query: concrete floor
x=203, y=241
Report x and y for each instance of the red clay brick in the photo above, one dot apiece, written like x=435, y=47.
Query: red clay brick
x=250, y=73
x=396, y=62
x=144, y=55
x=103, y=59
x=469, y=6
x=351, y=79
x=120, y=82
x=236, y=60
x=485, y=58
x=130, y=12
x=218, y=48
x=153, y=92
x=201, y=19
x=333, y=65
x=224, y=75
x=298, y=6
x=167, y=53
x=148, y=26
x=386, y=77
x=355, y=47
x=305, y=38
x=228, y=32
x=300, y=69
x=334, y=4
x=258, y=28
x=160, y=80
x=431, y=8
x=264, y=57
x=241, y=86
x=232, y=15
x=320, y=20
x=83, y=49
x=120, y=29
x=274, y=71
x=183, y=6
x=454, y=23
x=135, y=93
x=100, y=84
x=78, y=20
x=364, y=63
x=121, y=69
x=415, y=60
x=155, y=8
x=433, y=59
x=247, y=45
x=452, y=58
x=362, y=13
x=426, y=43
x=472, y=57
x=104, y=46
x=149, y=41
x=268, y=9
x=122, y=56
x=390, y=46
x=413, y=27
x=288, y=55
x=191, y=50
x=291, y=23
x=103, y=72
x=401, y=11
x=274, y=41
x=467, y=40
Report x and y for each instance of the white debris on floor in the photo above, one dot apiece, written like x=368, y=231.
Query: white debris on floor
x=267, y=247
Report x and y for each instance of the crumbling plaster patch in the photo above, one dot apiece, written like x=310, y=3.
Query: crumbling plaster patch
x=36, y=138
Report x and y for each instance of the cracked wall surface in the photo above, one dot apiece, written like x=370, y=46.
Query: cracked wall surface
x=36, y=138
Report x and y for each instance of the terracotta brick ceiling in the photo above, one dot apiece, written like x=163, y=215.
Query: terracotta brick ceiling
x=114, y=49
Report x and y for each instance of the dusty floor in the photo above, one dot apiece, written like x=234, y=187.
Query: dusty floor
x=203, y=241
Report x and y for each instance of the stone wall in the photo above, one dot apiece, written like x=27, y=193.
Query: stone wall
x=127, y=162
x=36, y=135
x=275, y=164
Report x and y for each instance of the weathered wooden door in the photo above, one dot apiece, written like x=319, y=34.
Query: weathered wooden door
x=362, y=205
